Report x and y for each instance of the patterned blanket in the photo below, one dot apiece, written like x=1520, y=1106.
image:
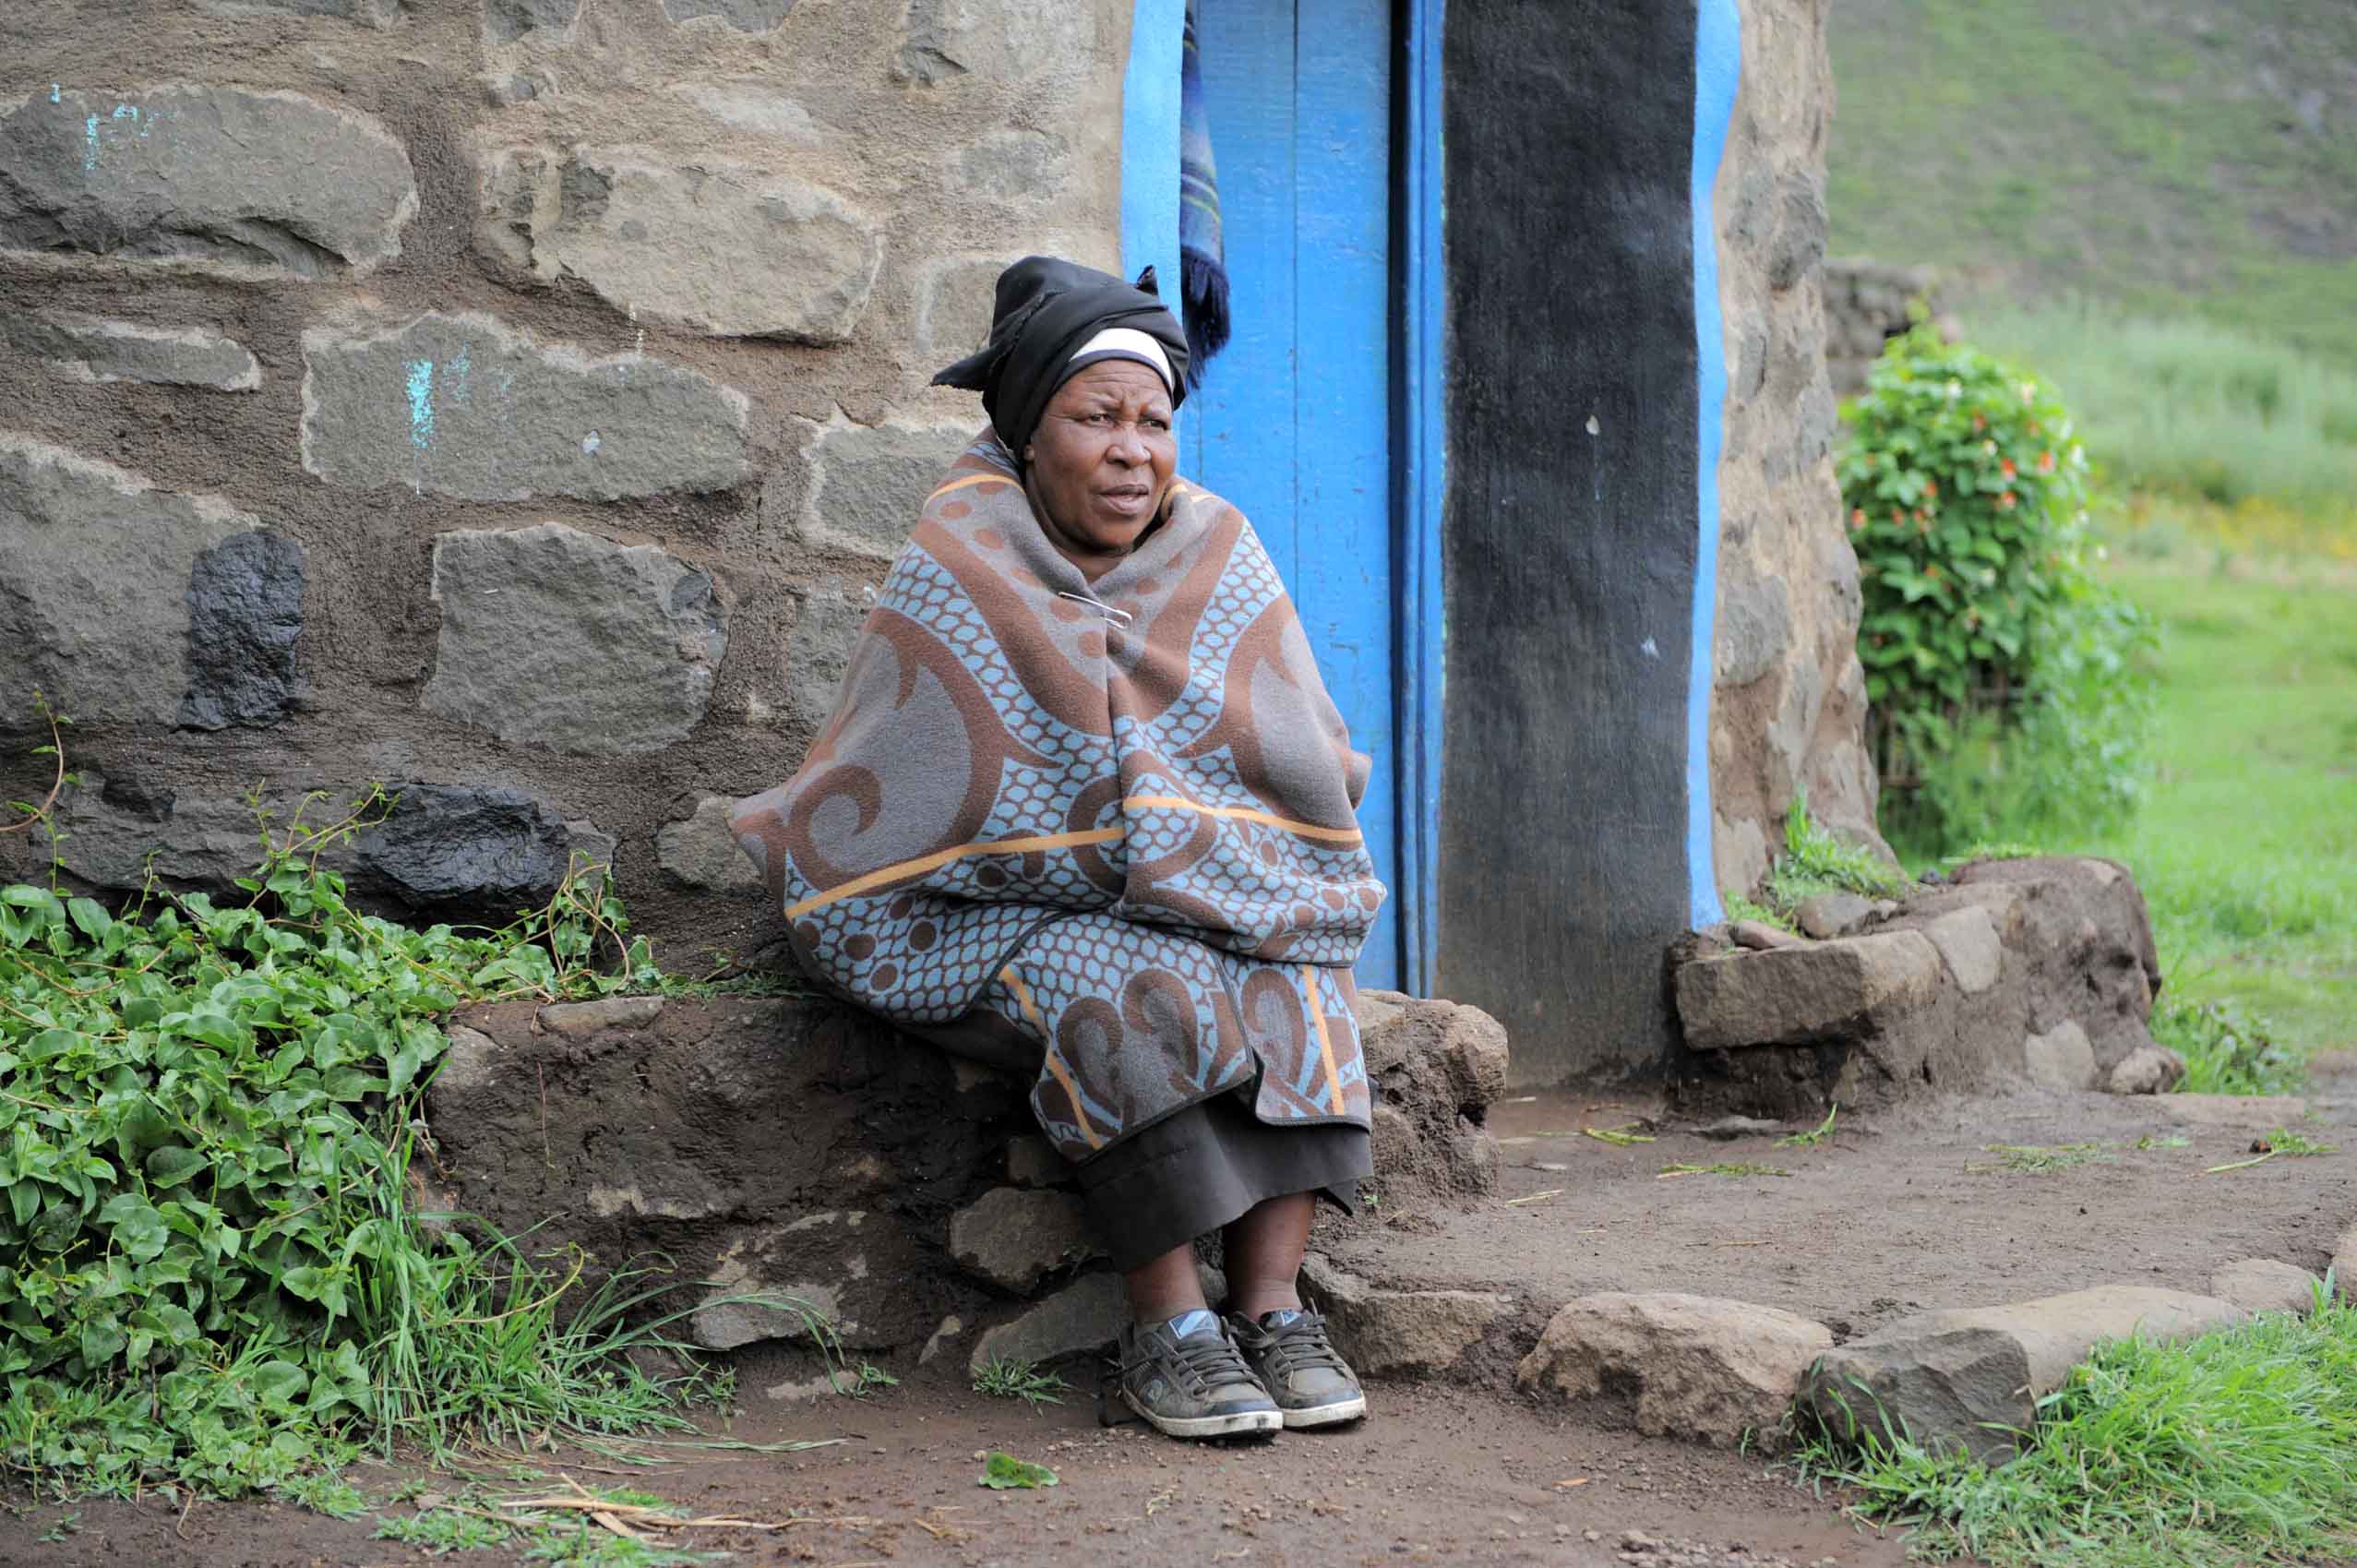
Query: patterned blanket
x=1101, y=831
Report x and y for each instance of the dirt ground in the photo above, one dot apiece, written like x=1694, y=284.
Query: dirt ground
x=1889, y=1216
x=1436, y=1475
x=1904, y=1212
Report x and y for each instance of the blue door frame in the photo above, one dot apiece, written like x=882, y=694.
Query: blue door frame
x=1335, y=256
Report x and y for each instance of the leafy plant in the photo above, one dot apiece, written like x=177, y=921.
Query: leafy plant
x=2225, y=1052
x=1816, y=861
x=1013, y=1377
x=1981, y=630
x=210, y=1270
x=1813, y=1138
x=1740, y=907
x=865, y=1380
x=1003, y=1472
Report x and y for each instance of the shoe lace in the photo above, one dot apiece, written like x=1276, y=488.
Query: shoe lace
x=1210, y=1361
x=1305, y=1347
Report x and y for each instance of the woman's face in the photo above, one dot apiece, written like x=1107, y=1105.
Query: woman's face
x=1100, y=463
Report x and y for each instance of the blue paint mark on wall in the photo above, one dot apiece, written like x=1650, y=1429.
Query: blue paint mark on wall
x=458, y=380
x=420, y=403
x=90, y=146
x=55, y=96
x=1150, y=143
x=1718, y=66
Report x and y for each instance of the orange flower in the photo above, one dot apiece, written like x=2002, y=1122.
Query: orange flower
x=2007, y=501
x=1930, y=489
x=1980, y=423
x=2046, y=462
x=2006, y=464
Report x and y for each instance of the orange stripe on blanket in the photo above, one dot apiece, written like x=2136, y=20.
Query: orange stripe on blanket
x=1248, y=814
x=1325, y=1044
x=1055, y=1063
x=940, y=859
x=969, y=479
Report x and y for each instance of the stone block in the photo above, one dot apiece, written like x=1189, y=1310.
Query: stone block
x=1013, y=1238
x=372, y=13
x=2084, y=947
x=96, y=566
x=557, y=638
x=1754, y=628
x=464, y=407
x=1084, y=1316
x=1003, y=39
x=1970, y=1379
x=2150, y=1069
x=507, y=20
x=2061, y=1058
x=1830, y=915
x=1759, y=936
x=1014, y=165
x=244, y=183
x=2263, y=1285
x=1830, y=990
x=701, y=852
x=1382, y=1331
x=580, y=1018
x=870, y=482
x=954, y=308
x=745, y=15
x=757, y=110
x=1705, y=1370
x=2344, y=1264
x=90, y=348
x=725, y=248
x=1968, y=946
x=828, y=621
x=1032, y=1161
x=841, y=1269
x=244, y=616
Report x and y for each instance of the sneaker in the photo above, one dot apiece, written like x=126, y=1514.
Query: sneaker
x=1299, y=1367
x=1185, y=1378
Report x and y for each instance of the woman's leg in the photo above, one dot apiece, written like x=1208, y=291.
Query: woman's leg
x=1163, y=1287
x=1264, y=1254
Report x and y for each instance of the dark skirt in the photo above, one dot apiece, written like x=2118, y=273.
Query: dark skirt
x=1194, y=1171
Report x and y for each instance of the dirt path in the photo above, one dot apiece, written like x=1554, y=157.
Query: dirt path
x=1898, y=1214
x=1435, y=1476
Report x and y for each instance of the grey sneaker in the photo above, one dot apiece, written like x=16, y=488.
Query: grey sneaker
x=1185, y=1378
x=1299, y=1367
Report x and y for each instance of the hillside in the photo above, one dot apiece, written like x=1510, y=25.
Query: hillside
x=2148, y=152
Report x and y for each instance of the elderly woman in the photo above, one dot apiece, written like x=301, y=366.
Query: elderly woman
x=1084, y=809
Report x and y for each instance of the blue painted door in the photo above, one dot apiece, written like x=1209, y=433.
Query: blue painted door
x=1293, y=423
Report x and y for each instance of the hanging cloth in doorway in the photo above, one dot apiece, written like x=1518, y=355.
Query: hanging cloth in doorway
x=1203, y=258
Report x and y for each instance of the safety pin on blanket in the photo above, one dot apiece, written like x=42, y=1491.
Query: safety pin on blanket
x=1100, y=606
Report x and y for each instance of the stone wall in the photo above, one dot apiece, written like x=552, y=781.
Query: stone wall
x=513, y=401
x=1789, y=709
x=1866, y=305
x=796, y=1147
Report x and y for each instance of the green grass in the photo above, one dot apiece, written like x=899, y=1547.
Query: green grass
x=1011, y=1376
x=2194, y=408
x=2157, y=155
x=2236, y=1448
x=2247, y=849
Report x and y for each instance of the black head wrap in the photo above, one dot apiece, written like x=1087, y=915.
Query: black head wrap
x=1047, y=310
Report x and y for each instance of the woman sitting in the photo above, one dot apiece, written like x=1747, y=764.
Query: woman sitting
x=1085, y=809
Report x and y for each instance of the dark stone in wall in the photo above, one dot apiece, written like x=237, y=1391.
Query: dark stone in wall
x=1571, y=521
x=451, y=851
x=245, y=614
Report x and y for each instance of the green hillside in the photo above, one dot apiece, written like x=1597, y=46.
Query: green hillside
x=2145, y=153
